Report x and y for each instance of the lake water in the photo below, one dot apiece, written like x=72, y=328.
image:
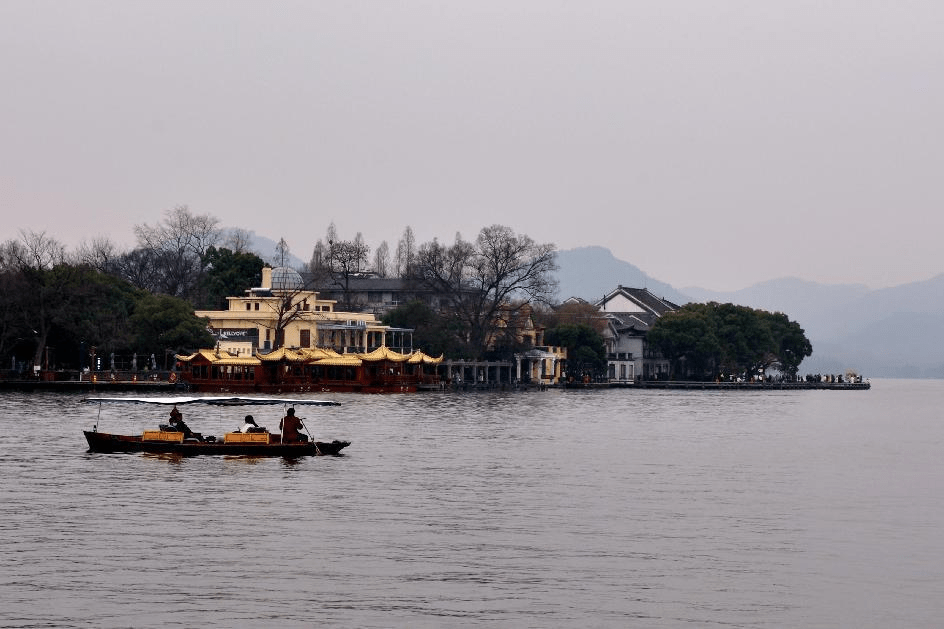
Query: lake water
x=554, y=509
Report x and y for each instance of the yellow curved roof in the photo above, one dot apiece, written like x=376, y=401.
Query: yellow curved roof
x=341, y=361
x=384, y=353
x=220, y=357
x=283, y=353
x=319, y=353
x=318, y=356
x=315, y=356
x=419, y=357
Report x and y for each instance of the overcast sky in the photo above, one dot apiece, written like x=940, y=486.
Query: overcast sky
x=712, y=144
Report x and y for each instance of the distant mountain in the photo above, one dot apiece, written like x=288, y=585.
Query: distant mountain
x=593, y=272
x=266, y=248
x=892, y=332
x=814, y=306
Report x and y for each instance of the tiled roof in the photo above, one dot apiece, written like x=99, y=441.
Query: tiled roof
x=384, y=353
x=421, y=357
x=626, y=322
x=220, y=357
x=645, y=299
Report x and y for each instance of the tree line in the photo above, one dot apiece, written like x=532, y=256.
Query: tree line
x=719, y=341
x=59, y=304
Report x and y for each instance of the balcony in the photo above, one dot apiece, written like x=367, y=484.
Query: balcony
x=616, y=356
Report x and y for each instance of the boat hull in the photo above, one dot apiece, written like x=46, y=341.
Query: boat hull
x=111, y=443
x=209, y=386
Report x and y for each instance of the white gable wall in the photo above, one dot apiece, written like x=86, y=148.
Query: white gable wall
x=620, y=303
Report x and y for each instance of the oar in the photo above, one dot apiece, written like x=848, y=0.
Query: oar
x=305, y=428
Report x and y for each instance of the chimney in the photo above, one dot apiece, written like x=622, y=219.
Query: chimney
x=266, y=277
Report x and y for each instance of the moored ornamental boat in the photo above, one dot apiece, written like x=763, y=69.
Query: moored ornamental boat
x=167, y=440
x=297, y=370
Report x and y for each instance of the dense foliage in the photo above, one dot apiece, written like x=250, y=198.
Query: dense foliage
x=586, y=353
x=59, y=317
x=711, y=341
x=228, y=273
x=58, y=312
x=432, y=333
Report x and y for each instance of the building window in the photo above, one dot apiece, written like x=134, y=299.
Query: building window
x=257, y=305
x=304, y=338
x=247, y=305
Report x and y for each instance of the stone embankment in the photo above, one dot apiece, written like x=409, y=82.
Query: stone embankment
x=745, y=386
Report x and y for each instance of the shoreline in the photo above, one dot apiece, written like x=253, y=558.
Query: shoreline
x=84, y=386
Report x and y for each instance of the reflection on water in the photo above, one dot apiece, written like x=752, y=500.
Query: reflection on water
x=554, y=509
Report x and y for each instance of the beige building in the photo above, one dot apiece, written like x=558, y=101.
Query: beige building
x=282, y=313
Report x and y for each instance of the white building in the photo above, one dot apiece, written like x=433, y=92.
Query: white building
x=629, y=314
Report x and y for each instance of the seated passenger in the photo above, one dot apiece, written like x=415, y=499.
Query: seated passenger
x=251, y=426
x=177, y=424
x=290, y=428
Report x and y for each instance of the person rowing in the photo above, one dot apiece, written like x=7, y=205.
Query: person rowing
x=290, y=425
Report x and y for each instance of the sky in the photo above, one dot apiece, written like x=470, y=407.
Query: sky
x=710, y=143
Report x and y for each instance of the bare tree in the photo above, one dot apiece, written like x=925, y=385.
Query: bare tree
x=482, y=278
x=141, y=268
x=406, y=253
x=382, y=260
x=100, y=254
x=238, y=240
x=289, y=303
x=33, y=250
x=318, y=258
x=281, y=252
x=179, y=244
x=287, y=308
x=318, y=267
x=360, y=245
x=181, y=230
x=345, y=259
x=331, y=235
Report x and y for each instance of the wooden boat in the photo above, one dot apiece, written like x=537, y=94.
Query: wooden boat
x=311, y=370
x=169, y=441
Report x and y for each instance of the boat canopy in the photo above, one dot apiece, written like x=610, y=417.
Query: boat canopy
x=213, y=401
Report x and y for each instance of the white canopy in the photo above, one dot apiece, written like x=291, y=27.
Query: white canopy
x=214, y=401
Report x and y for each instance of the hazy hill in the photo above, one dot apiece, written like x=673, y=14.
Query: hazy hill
x=592, y=272
x=267, y=249
x=803, y=301
x=892, y=332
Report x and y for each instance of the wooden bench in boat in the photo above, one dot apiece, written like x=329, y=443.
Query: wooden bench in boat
x=246, y=437
x=163, y=435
